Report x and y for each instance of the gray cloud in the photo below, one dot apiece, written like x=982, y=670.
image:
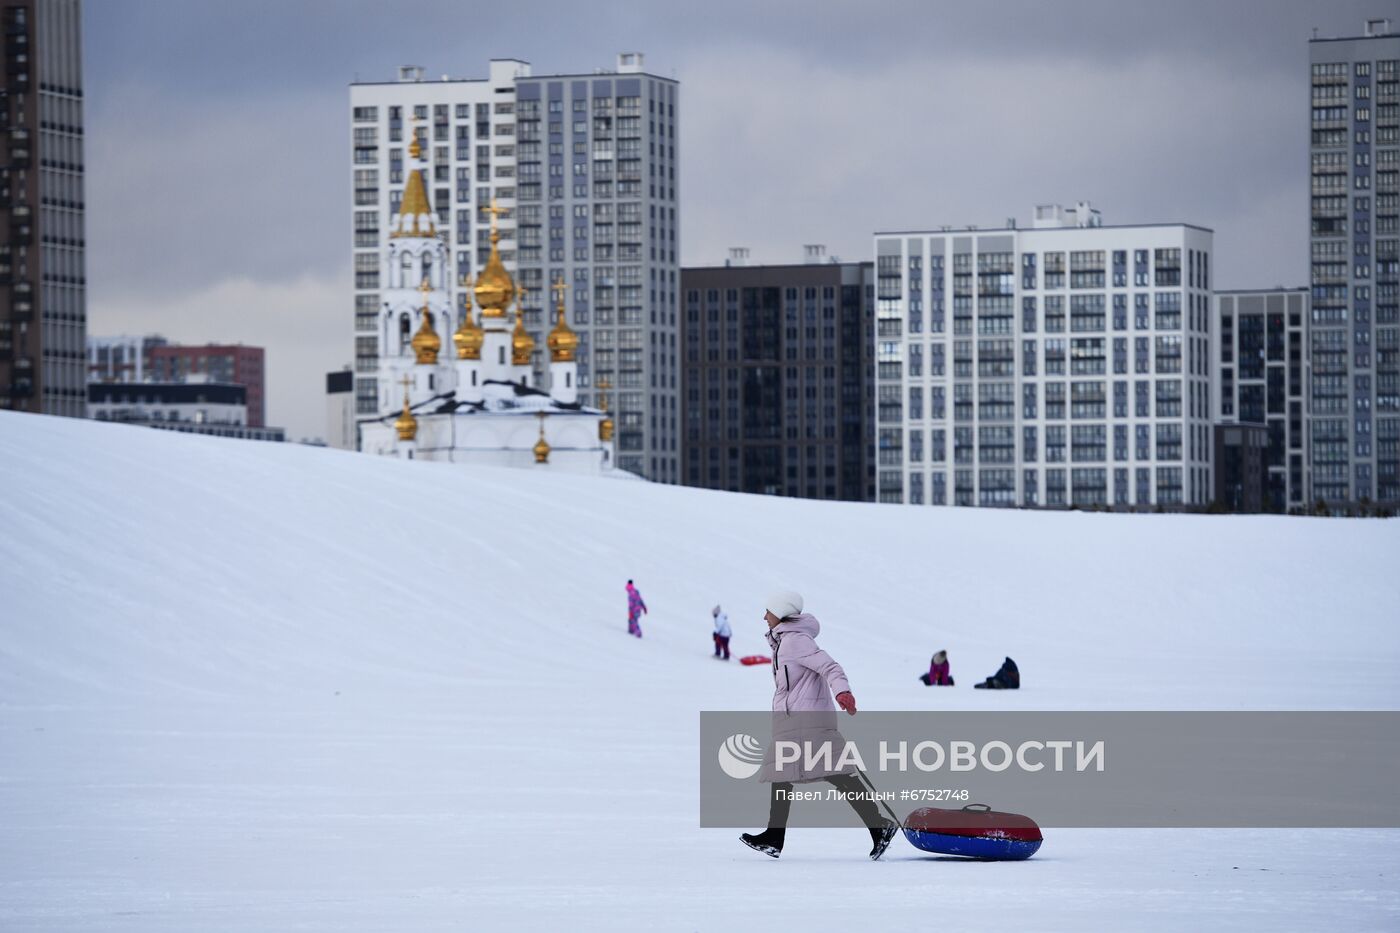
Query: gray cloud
x=218, y=154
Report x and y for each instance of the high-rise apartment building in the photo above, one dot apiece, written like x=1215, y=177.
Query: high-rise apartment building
x=1261, y=378
x=43, y=305
x=1354, y=392
x=1063, y=365
x=584, y=170
x=778, y=379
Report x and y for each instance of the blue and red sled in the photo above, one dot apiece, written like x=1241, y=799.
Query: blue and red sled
x=975, y=831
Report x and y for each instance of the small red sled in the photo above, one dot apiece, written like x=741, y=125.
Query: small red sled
x=752, y=659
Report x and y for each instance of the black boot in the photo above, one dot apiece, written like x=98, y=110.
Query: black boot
x=882, y=836
x=769, y=842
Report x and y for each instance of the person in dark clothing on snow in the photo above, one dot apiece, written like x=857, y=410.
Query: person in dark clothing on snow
x=938, y=675
x=1007, y=678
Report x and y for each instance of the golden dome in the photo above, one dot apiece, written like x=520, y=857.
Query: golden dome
x=469, y=338
x=562, y=341
x=494, y=287
x=405, y=423
x=426, y=342
x=521, y=343
x=541, y=447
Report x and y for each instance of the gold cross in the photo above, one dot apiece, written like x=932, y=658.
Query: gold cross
x=465, y=281
x=425, y=288
x=520, y=291
x=405, y=382
x=494, y=211
x=559, y=289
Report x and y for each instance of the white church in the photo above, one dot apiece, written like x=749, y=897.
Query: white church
x=474, y=404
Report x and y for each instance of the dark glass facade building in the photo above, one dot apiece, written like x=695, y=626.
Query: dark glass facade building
x=777, y=386
x=43, y=305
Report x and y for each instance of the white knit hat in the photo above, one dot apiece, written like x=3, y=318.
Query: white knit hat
x=784, y=603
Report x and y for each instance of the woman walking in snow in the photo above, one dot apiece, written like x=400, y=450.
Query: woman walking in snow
x=721, y=633
x=804, y=678
x=635, y=609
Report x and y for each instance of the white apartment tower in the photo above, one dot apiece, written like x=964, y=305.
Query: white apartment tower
x=584, y=171
x=1066, y=365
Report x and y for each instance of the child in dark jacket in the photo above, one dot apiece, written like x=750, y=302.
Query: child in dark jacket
x=1008, y=677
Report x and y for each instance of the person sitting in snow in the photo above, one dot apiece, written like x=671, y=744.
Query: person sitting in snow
x=938, y=675
x=1008, y=677
x=721, y=633
x=636, y=608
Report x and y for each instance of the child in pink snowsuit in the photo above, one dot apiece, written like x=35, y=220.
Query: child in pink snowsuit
x=636, y=607
x=938, y=674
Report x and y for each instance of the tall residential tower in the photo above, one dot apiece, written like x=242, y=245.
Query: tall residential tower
x=1354, y=395
x=584, y=170
x=43, y=304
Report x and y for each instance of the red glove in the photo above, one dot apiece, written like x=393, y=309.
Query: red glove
x=847, y=702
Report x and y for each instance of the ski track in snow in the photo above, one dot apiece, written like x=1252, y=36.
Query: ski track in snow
x=266, y=687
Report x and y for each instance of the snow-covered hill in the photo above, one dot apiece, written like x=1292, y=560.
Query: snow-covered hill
x=248, y=686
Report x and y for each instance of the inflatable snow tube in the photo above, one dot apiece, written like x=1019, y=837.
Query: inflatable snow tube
x=752, y=659
x=975, y=831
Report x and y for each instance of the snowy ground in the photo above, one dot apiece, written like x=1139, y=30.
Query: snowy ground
x=268, y=687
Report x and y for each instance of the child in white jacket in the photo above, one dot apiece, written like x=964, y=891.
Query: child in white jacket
x=721, y=633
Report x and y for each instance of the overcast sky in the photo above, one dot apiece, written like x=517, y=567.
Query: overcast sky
x=218, y=162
